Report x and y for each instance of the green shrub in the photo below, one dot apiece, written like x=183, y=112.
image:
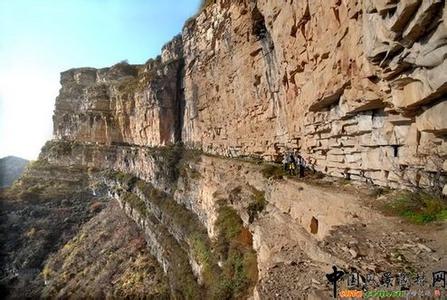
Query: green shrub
x=129, y=86
x=229, y=225
x=168, y=161
x=186, y=165
x=418, y=207
x=234, y=245
x=151, y=192
x=173, y=161
x=38, y=164
x=257, y=204
x=201, y=248
x=194, y=231
x=128, y=181
x=136, y=203
x=59, y=147
x=273, y=171
x=202, y=251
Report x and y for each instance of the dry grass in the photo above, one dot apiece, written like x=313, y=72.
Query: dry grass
x=108, y=258
x=417, y=207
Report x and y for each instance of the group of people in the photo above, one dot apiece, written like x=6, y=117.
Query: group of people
x=292, y=162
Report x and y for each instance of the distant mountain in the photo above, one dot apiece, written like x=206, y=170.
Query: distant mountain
x=11, y=168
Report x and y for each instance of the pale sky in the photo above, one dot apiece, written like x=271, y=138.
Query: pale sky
x=41, y=38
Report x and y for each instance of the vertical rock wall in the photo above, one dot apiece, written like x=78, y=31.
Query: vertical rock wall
x=124, y=104
x=358, y=87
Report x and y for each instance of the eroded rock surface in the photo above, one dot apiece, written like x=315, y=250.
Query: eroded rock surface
x=358, y=87
x=348, y=83
x=124, y=104
x=304, y=226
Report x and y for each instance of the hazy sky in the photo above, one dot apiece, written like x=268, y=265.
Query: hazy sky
x=41, y=38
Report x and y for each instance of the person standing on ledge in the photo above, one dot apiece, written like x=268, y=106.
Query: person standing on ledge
x=285, y=161
x=301, y=164
x=292, y=164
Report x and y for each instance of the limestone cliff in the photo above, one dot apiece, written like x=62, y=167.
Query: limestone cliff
x=184, y=143
x=358, y=87
x=124, y=104
x=285, y=234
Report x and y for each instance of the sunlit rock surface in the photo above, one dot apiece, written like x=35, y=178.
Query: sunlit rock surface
x=122, y=104
x=303, y=227
x=350, y=84
x=184, y=143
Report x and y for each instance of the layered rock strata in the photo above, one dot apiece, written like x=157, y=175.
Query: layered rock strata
x=300, y=228
x=124, y=104
x=353, y=85
x=357, y=87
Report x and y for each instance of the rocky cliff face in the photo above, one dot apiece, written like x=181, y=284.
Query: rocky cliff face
x=124, y=104
x=357, y=87
x=224, y=228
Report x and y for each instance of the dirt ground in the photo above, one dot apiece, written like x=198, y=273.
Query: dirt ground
x=367, y=243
